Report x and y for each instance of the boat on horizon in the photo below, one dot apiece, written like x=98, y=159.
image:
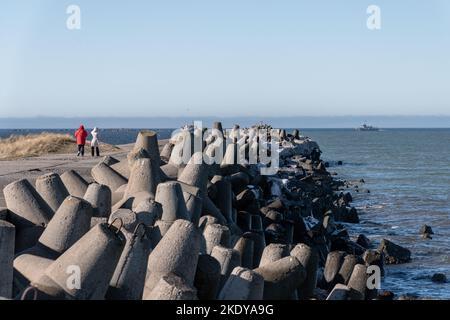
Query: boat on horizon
x=366, y=127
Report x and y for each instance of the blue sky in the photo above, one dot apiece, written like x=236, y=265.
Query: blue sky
x=224, y=58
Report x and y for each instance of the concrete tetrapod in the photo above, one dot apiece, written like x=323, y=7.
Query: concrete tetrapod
x=350, y=261
x=122, y=167
x=259, y=240
x=167, y=151
x=245, y=247
x=132, y=201
x=144, y=176
x=130, y=221
x=228, y=259
x=195, y=173
x=358, y=282
x=309, y=258
x=209, y=208
x=230, y=157
x=109, y=160
x=104, y=174
x=273, y=252
x=68, y=225
x=243, y=220
x=193, y=199
x=170, y=171
x=170, y=196
x=256, y=223
x=128, y=280
x=243, y=284
x=150, y=210
x=118, y=194
x=70, y=222
x=74, y=183
x=30, y=265
x=177, y=253
x=332, y=266
x=172, y=287
x=4, y=213
x=282, y=278
x=26, y=207
x=207, y=277
x=100, y=197
x=216, y=234
x=224, y=198
x=194, y=205
x=84, y=271
x=148, y=140
x=205, y=221
x=7, y=235
x=27, y=211
x=52, y=189
x=134, y=155
x=339, y=292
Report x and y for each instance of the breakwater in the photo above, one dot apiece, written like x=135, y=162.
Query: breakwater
x=194, y=229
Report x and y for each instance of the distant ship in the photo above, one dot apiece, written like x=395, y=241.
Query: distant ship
x=366, y=127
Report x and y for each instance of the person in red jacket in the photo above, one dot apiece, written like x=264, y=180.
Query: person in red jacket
x=81, y=135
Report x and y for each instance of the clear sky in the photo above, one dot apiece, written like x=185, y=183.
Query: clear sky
x=224, y=57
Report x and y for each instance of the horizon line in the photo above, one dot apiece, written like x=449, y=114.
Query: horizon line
x=228, y=116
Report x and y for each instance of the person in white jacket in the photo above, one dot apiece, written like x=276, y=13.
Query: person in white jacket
x=94, y=142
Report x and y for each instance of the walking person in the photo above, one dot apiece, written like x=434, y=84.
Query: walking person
x=81, y=135
x=94, y=142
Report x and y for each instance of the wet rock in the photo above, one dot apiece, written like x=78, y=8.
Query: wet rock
x=374, y=257
x=426, y=232
x=363, y=241
x=349, y=215
x=385, y=295
x=439, y=278
x=347, y=197
x=393, y=253
x=426, y=229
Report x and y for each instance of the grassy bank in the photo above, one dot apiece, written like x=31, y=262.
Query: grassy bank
x=33, y=145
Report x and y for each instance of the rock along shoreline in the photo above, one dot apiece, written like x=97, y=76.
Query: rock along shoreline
x=153, y=227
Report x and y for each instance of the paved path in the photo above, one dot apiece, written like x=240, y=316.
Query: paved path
x=31, y=168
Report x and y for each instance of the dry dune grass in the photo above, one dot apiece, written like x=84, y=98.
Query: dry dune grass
x=33, y=145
